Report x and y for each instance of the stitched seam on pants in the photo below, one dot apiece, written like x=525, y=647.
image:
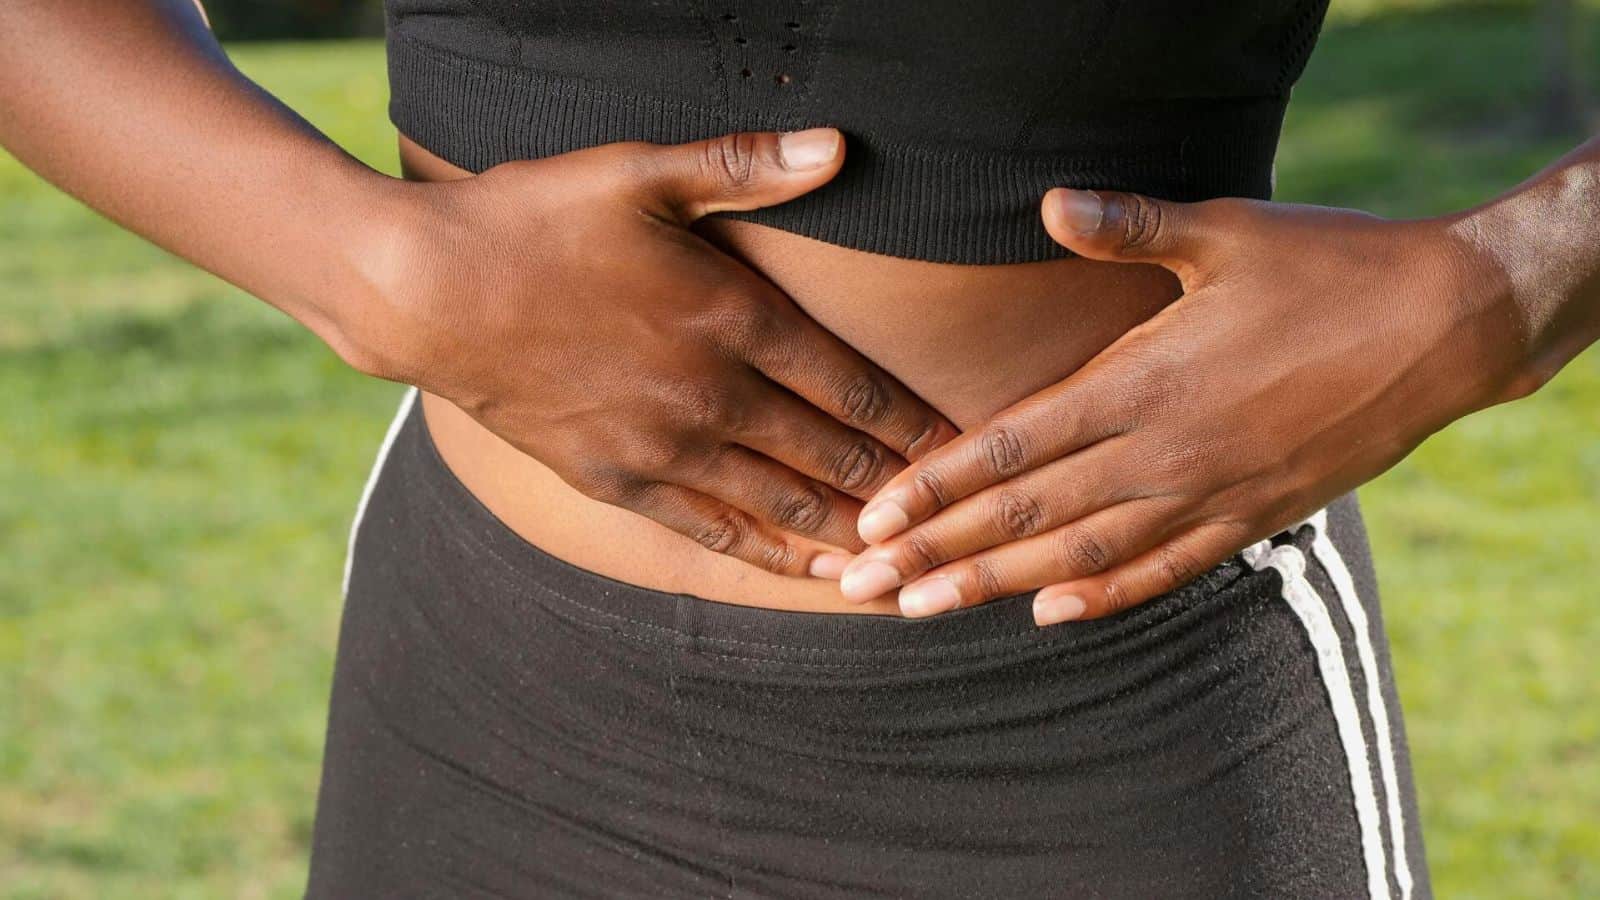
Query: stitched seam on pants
x=687, y=731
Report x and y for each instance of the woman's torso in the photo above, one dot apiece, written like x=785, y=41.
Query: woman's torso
x=957, y=124
x=968, y=339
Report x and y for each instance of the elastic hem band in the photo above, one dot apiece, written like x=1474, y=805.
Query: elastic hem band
x=913, y=201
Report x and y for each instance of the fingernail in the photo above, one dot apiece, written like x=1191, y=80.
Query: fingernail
x=829, y=565
x=929, y=597
x=1082, y=211
x=1049, y=608
x=865, y=581
x=881, y=521
x=809, y=149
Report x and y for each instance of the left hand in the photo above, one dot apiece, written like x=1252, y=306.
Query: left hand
x=1311, y=349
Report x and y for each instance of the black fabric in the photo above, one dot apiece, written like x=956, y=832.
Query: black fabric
x=959, y=116
x=507, y=725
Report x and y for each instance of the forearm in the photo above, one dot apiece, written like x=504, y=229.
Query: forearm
x=131, y=106
x=1544, y=236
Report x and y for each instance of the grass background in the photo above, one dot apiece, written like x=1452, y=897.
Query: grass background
x=178, y=464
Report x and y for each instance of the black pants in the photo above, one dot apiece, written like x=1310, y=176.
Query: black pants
x=505, y=724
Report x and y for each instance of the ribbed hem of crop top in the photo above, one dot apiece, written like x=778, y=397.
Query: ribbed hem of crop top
x=895, y=198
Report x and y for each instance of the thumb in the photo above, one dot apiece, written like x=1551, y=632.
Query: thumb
x=1114, y=226
x=746, y=170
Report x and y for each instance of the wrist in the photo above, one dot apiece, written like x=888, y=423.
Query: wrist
x=1536, y=264
x=369, y=315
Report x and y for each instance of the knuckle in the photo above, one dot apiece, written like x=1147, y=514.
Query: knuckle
x=729, y=161
x=920, y=553
x=930, y=483
x=917, y=443
x=1177, y=466
x=1116, y=596
x=603, y=484
x=1142, y=221
x=1083, y=551
x=863, y=399
x=779, y=557
x=1019, y=514
x=805, y=509
x=860, y=464
x=1153, y=378
x=1001, y=446
x=647, y=456
x=709, y=406
x=722, y=312
x=1177, y=567
x=1170, y=378
x=722, y=533
x=749, y=326
x=986, y=577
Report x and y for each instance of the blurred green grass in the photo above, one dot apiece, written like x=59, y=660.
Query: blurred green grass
x=178, y=464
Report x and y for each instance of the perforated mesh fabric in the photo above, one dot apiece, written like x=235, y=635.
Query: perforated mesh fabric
x=958, y=116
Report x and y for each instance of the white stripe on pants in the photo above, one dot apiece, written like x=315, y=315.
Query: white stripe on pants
x=1313, y=613
x=406, y=403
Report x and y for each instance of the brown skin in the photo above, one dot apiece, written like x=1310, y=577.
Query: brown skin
x=969, y=339
x=1287, y=373
x=1311, y=350
x=564, y=303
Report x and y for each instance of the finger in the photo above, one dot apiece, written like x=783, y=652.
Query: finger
x=742, y=171
x=1081, y=548
x=1120, y=227
x=1061, y=419
x=812, y=362
x=1057, y=493
x=811, y=442
x=778, y=496
x=723, y=529
x=829, y=565
x=1160, y=570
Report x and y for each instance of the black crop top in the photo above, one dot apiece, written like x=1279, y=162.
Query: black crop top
x=959, y=115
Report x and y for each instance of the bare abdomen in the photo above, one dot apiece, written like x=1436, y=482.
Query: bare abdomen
x=968, y=339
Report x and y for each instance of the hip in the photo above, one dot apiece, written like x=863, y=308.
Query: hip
x=503, y=716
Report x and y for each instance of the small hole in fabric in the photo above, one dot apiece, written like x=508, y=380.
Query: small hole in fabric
x=745, y=73
x=789, y=48
x=741, y=41
x=783, y=78
x=792, y=26
x=729, y=17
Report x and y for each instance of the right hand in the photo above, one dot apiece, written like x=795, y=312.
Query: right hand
x=565, y=305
